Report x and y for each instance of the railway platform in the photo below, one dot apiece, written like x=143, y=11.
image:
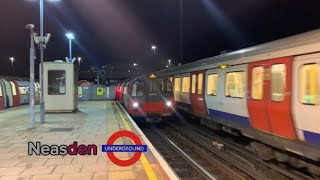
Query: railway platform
x=93, y=124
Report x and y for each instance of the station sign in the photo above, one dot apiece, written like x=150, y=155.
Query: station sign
x=100, y=91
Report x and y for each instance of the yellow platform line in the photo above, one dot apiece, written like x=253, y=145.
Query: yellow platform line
x=147, y=167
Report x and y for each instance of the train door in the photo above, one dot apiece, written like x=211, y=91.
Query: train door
x=4, y=94
x=197, y=95
x=1, y=97
x=125, y=95
x=185, y=91
x=306, y=97
x=15, y=93
x=9, y=92
x=269, y=101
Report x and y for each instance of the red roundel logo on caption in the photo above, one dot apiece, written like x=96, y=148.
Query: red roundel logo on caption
x=134, y=138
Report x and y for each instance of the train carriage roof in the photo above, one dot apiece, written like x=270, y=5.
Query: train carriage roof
x=308, y=38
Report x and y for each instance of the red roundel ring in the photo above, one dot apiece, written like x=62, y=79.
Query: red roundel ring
x=135, y=139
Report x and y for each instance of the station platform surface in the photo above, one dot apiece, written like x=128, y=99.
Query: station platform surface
x=94, y=123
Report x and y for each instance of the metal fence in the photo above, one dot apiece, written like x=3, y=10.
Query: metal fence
x=94, y=93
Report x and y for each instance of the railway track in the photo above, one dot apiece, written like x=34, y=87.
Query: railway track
x=186, y=159
x=196, y=153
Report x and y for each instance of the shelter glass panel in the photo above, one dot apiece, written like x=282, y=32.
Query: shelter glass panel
x=56, y=82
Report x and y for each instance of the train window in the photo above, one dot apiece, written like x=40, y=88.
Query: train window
x=177, y=84
x=235, y=84
x=171, y=79
x=309, y=84
x=212, y=83
x=138, y=88
x=0, y=91
x=56, y=82
x=13, y=86
x=200, y=83
x=257, y=83
x=186, y=84
x=194, y=81
x=278, y=82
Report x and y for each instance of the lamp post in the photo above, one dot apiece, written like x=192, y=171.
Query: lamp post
x=70, y=36
x=153, y=47
x=79, y=61
x=135, y=64
x=32, y=89
x=12, y=60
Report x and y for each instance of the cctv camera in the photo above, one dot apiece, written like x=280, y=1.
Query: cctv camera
x=47, y=38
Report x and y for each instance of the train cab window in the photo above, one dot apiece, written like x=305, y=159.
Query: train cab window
x=137, y=88
x=166, y=86
x=13, y=87
x=177, y=84
x=309, y=84
x=153, y=86
x=235, y=84
x=278, y=82
x=186, y=84
x=212, y=83
x=200, y=83
x=257, y=83
x=56, y=82
x=125, y=90
x=194, y=81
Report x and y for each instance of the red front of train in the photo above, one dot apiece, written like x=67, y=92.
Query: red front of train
x=148, y=97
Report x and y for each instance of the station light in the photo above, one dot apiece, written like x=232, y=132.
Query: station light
x=70, y=35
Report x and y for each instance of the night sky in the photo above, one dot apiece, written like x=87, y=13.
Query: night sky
x=116, y=32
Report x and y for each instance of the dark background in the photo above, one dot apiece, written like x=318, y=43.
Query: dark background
x=120, y=32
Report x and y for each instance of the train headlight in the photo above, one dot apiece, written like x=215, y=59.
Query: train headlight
x=169, y=103
x=135, y=104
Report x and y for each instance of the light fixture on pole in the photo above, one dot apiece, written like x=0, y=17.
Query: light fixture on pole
x=153, y=47
x=70, y=36
x=79, y=61
x=135, y=64
x=12, y=60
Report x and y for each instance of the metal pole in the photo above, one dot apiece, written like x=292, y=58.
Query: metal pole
x=70, y=49
x=98, y=81
x=42, y=114
x=32, y=107
x=181, y=31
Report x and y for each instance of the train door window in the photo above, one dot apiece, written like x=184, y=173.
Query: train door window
x=177, y=84
x=138, y=88
x=56, y=82
x=235, y=82
x=171, y=79
x=0, y=91
x=153, y=86
x=257, y=83
x=200, y=83
x=186, y=84
x=309, y=84
x=212, y=82
x=194, y=81
x=278, y=82
x=13, y=87
x=125, y=89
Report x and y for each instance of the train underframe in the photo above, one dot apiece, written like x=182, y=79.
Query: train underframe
x=267, y=146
